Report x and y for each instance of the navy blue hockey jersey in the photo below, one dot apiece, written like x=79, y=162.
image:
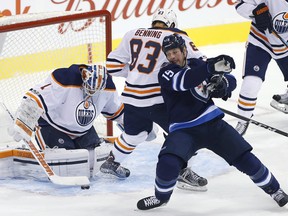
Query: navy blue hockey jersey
x=183, y=90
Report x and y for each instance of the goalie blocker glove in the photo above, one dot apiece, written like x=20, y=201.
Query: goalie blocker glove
x=220, y=64
x=263, y=19
x=27, y=116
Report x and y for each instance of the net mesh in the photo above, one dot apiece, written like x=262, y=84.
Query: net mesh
x=32, y=46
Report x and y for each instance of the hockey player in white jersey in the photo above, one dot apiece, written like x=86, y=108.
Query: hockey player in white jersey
x=269, y=19
x=138, y=58
x=65, y=105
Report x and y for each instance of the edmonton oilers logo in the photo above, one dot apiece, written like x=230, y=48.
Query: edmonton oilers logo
x=85, y=113
x=280, y=23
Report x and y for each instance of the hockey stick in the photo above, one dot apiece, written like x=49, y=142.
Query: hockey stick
x=82, y=181
x=259, y=124
x=272, y=31
x=280, y=38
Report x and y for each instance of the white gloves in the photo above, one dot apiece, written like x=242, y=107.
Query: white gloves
x=26, y=119
x=221, y=64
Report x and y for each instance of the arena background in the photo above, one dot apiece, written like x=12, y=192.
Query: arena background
x=206, y=21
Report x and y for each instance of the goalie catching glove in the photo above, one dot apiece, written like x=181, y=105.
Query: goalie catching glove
x=220, y=64
x=27, y=116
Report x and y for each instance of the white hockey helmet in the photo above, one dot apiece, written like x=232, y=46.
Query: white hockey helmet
x=94, y=78
x=167, y=16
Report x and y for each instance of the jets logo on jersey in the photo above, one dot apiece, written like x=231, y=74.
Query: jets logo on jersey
x=85, y=113
x=200, y=92
x=280, y=23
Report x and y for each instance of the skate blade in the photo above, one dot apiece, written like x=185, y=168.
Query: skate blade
x=278, y=106
x=184, y=186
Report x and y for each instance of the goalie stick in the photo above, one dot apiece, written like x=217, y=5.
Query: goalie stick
x=82, y=181
x=259, y=124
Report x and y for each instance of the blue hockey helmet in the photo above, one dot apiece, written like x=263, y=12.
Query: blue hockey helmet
x=173, y=41
x=94, y=78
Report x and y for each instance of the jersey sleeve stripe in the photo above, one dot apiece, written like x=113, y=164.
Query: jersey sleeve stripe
x=115, y=115
x=148, y=91
x=35, y=98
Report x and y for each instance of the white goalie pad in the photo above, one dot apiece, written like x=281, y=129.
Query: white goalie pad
x=15, y=162
x=279, y=106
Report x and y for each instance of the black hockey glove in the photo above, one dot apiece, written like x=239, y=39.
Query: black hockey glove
x=218, y=87
x=263, y=19
x=220, y=64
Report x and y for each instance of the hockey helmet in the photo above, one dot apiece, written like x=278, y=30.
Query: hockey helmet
x=167, y=16
x=173, y=41
x=94, y=78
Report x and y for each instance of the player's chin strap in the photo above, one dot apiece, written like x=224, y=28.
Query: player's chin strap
x=82, y=181
x=259, y=124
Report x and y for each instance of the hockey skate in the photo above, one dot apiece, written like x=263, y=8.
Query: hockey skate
x=280, y=197
x=150, y=203
x=280, y=102
x=114, y=168
x=242, y=127
x=189, y=180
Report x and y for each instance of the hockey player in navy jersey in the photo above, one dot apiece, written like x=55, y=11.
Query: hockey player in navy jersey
x=268, y=17
x=138, y=59
x=188, y=86
x=65, y=105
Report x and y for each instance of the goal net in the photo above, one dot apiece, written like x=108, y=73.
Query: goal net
x=33, y=45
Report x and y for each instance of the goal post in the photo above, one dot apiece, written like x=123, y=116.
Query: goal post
x=33, y=45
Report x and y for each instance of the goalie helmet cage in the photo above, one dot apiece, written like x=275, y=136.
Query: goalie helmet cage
x=33, y=45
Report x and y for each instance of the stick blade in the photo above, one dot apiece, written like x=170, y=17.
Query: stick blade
x=70, y=180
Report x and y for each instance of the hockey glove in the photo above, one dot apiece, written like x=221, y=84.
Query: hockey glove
x=218, y=87
x=220, y=64
x=27, y=116
x=263, y=19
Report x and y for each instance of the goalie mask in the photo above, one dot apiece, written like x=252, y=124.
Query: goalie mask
x=167, y=16
x=94, y=78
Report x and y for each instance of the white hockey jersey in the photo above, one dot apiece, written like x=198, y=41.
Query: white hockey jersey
x=63, y=100
x=139, y=58
x=267, y=41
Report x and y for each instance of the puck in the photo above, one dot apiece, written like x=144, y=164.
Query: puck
x=85, y=187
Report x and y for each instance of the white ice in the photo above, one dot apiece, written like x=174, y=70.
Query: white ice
x=229, y=191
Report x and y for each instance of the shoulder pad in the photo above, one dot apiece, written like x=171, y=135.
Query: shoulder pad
x=68, y=76
x=176, y=30
x=110, y=84
x=165, y=64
